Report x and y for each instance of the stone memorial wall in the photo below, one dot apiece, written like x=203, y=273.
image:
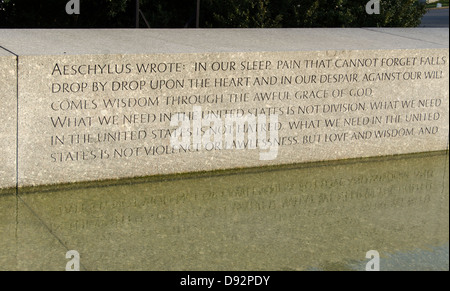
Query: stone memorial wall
x=107, y=104
x=8, y=119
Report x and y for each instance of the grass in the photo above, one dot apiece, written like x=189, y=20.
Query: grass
x=443, y=2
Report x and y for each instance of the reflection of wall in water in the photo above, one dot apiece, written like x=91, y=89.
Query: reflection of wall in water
x=287, y=219
x=7, y=230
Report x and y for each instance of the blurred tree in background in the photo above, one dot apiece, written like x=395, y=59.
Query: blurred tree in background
x=214, y=13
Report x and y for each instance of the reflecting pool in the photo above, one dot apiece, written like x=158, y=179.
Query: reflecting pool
x=321, y=216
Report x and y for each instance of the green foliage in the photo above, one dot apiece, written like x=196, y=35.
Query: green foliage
x=313, y=13
x=169, y=13
x=214, y=13
x=240, y=14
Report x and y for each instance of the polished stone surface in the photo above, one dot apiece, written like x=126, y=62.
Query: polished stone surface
x=8, y=118
x=431, y=35
x=368, y=118
x=167, y=41
x=322, y=216
x=102, y=104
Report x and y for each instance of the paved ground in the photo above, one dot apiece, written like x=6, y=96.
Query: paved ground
x=435, y=18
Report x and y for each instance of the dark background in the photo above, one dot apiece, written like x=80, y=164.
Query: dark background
x=214, y=13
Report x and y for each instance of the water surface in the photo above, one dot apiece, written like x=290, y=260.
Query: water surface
x=322, y=216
